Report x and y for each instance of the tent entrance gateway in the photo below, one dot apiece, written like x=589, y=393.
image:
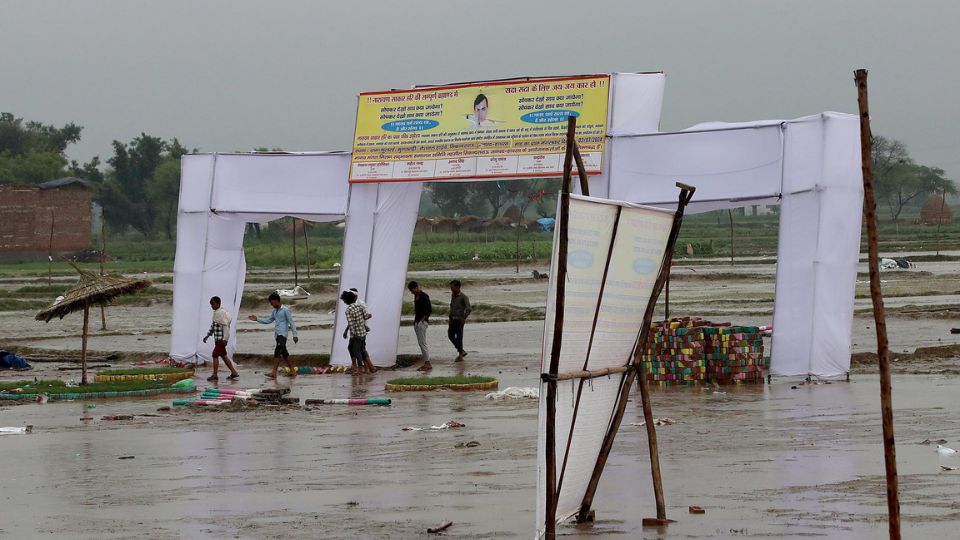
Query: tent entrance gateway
x=811, y=165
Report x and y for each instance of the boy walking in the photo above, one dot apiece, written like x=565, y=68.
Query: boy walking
x=220, y=330
x=284, y=324
x=459, y=311
x=421, y=321
x=357, y=327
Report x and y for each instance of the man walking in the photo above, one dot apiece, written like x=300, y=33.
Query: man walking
x=357, y=326
x=421, y=321
x=459, y=311
x=284, y=324
x=220, y=330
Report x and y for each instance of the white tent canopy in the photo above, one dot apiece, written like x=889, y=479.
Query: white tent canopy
x=811, y=165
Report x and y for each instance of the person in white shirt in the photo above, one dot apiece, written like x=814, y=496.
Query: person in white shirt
x=220, y=330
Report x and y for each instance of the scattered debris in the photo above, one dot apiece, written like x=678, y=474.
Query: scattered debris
x=165, y=408
x=126, y=457
x=471, y=444
x=16, y=430
x=928, y=441
x=697, y=510
x=657, y=422
x=515, y=392
x=539, y=275
x=452, y=424
x=113, y=417
x=946, y=468
x=440, y=528
x=654, y=522
x=352, y=401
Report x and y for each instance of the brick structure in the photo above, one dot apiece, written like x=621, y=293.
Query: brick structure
x=26, y=212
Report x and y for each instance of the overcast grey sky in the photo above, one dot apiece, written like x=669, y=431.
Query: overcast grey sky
x=234, y=75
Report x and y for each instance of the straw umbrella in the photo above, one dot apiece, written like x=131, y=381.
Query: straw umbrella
x=90, y=290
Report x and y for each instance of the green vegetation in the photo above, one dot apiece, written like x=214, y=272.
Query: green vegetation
x=144, y=371
x=441, y=381
x=60, y=387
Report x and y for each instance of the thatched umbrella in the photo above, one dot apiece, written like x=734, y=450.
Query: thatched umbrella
x=90, y=290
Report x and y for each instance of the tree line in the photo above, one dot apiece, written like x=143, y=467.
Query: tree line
x=138, y=184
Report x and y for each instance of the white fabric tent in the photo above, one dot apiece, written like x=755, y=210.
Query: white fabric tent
x=810, y=164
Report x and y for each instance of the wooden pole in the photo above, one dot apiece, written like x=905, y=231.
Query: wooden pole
x=83, y=346
x=730, y=215
x=636, y=370
x=560, y=279
x=879, y=317
x=581, y=171
x=296, y=277
x=943, y=201
x=306, y=246
x=103, y=255
x=53, y=220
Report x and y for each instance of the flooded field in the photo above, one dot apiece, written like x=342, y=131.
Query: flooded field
x=766, y=461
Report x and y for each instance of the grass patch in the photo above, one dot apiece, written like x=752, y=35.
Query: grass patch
x=12, y=304
x=60, y=387
x=441, y=381
x=144, y=371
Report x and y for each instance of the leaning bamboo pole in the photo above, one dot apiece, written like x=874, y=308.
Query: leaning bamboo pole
x=635, y=370
x=296, y=276
x=879, y=317
x=560, y=278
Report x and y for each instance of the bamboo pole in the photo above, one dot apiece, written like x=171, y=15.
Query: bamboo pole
x=590, y=373
x=636, y=370
x=581, y=171
x=730, y=215
x=83, y=346
x=53, y=220
x=306, y=246
x=943, y=201
x=560, y=279
x=296, y=277
x=103, y=255
x=879, y=317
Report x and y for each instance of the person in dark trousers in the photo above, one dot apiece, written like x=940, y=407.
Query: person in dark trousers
x=459, y=311
x=357, y=326
x=421, y=321
x=284, y=324
x=220, y=330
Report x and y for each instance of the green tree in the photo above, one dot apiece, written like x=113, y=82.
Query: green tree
x=33, y=152
x=452, y=198
x=899, y=180
x=140, y=190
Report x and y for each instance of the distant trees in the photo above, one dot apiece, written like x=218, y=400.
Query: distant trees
x=32, y=152
x=489, y=198
x=900, y=181
x=140, y=188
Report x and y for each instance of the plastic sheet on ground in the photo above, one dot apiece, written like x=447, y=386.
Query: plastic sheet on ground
x=515, y=392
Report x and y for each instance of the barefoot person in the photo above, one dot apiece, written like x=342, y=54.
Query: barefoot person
x=284, y=324
x=366, y=317
x=459, y=311
x=421, y=321
x=357, y=327
x=220, y=330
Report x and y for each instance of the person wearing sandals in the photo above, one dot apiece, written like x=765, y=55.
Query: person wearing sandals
x=284, y=324
x=220, y=330
x=357, y=327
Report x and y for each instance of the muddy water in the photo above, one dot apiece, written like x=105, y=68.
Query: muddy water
x=765, y=461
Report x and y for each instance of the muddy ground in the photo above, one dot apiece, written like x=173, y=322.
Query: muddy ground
x=766, y=461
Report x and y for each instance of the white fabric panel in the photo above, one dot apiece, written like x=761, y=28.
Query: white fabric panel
x=841, y=211
x=397, y=207
x=187, y=318
x=818, y=249
x=224, y=267
x=281, y=183
x=196, y=181
x=355, y=264
x=636, y=254
x=635, y=103
x=724, y=165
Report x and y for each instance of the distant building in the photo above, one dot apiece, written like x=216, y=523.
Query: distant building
x=27, y=212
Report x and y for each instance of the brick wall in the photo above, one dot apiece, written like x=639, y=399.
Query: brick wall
x=26, y=213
